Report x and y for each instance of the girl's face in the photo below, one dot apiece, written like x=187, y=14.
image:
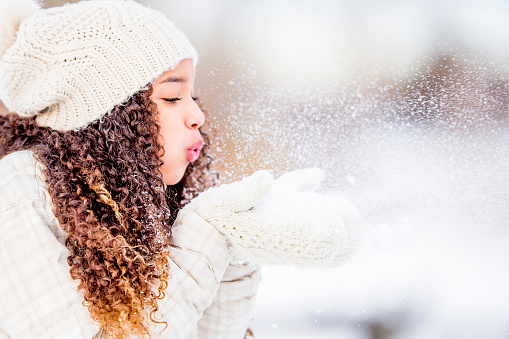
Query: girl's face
x=179, y=117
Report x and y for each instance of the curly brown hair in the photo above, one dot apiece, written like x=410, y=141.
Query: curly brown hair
x=109, y=197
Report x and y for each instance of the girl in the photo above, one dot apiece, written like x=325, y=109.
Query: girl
x=98, y=165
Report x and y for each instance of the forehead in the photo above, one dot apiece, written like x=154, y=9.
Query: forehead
x=183, y=72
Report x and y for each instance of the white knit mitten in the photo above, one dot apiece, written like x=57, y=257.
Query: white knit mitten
x=282, y=221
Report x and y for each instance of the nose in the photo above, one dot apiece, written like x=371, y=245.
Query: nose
x=195, y=117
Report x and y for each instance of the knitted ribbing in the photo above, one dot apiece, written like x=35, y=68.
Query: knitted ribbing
x=71, y=65
x=267, y=222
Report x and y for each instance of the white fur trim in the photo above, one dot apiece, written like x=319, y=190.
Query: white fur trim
x=11, y=15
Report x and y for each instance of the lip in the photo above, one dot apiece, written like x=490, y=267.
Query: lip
x=193, y=152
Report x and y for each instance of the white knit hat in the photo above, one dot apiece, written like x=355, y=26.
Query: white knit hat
x=71, y=65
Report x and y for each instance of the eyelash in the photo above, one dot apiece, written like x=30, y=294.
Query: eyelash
x=174, y=100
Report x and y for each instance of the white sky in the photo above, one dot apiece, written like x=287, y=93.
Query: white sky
x=331, y=37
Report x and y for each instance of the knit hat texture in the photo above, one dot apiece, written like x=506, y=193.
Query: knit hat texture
x=70, y=65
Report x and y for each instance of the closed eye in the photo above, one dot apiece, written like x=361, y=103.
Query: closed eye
x=172, y=100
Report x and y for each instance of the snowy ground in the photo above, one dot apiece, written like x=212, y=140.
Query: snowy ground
x=413, y=284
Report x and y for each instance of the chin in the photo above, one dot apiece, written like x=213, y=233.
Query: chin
x=172, y=181
x=174, y=177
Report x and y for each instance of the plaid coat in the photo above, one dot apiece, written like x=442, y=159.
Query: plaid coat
x=206, y=297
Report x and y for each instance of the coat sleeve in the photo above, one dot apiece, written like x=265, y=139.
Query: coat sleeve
x=231, y=311
x=199, y=258
x=38, y=297
x=233, y=287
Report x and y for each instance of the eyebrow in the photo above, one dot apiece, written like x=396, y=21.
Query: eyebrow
x=173, y=79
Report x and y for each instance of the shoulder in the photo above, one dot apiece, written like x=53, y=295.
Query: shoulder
x=21, y=179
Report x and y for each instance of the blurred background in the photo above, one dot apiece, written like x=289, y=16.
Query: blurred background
x=404, y=104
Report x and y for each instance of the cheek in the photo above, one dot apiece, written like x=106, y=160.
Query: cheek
x=170, y=153
x=167, y=130
x=174, y=156
x=173, y=168
x=169, y=141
